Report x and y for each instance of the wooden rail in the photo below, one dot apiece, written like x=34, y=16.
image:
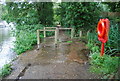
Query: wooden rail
x=56, y=30
x=38, y=37
x=48, y=28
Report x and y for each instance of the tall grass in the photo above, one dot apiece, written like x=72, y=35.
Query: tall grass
x=109, y=63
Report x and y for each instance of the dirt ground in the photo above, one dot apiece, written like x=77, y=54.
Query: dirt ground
x=64, y=61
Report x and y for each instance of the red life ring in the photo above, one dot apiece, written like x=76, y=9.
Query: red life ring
x=101, y=28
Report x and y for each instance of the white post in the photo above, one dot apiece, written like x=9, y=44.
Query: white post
x=56, y=36
x=72, y=33
x=38, y=39
x=44, y=32
x=80, y=34
x=57, y=29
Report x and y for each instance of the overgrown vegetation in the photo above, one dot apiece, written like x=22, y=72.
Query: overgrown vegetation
x=29, y=17
x=79, y=16
x=69, y=41
x=6, y=70
x=106, y=65
x=109, y=63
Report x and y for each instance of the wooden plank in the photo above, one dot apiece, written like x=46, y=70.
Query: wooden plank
x=46, y=30
x=50, y=27
x=65, y=28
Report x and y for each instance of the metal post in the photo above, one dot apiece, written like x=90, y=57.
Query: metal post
x=38, y=39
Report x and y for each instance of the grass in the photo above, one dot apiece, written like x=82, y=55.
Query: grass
x=103, y=65
x=6, y=70
x=108, y=64
x=69, y=41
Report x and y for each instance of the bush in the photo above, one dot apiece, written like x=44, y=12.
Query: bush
x=26, y=37
x=24, y=42
x=103, y=65
x=108, y=64
x=111, y=46
x=28, y=18
x=6, y=70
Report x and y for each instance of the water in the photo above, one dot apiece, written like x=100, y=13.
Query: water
x=6, y=45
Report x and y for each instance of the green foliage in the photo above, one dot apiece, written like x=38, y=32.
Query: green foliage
x=26, y=37
x=57, y=12
x=112, y=46
x=104, y=65
x=92, y=42
x=107, y=64
x=69, y=41
x=50, y=33
x=114, y=6
x=25, y=13
x=24, y=41
x=29, y=17
x=6, y=70
x=92, y=37
x=79, y=16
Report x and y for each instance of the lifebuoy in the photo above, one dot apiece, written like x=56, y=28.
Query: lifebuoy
x=101, y=28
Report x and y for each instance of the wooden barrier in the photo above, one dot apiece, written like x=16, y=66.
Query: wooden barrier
x=47, y=28
x=56, y=30
x=72, y=31
x=38, y=37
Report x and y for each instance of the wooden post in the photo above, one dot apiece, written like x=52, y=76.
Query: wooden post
x=56, y=33
x=80, y=34
x=88, y=33
x=44, y=32
x=38, y=39
x=72, y=33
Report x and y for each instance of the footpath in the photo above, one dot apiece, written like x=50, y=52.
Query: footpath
x=66, y=61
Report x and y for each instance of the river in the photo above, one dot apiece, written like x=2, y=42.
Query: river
x=6, y=46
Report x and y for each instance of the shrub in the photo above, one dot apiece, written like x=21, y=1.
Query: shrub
x=112, y=45
x=107, y=64
x=6, y=70
x=26, y=37
x=24, y=41
x=103, y=65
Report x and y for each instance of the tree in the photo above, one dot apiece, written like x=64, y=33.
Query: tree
x=80, y=15
x=29, y=17
x=25, y=13
x=114, y=6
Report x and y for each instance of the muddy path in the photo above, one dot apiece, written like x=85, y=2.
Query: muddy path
x=66, y=61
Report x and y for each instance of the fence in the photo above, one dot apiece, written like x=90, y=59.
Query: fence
x=56, y=30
